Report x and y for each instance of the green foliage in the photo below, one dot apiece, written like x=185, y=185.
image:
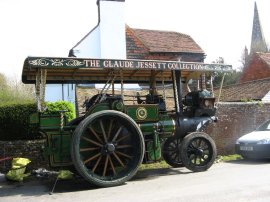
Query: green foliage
x=231, y=157
x=14, y=121
x=14, y=92
x=3, y=82
x=229, y=79
x=55, y=107
x=260, y=104
x=156, y=165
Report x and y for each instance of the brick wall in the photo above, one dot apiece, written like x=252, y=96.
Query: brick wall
x=30, y=149
x=135, y=48
x=256, y=69
x=235, y=120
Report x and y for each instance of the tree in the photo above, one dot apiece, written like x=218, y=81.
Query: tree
x=14, y=91
x=3, y=82
x=229, y=78
x=244, y=59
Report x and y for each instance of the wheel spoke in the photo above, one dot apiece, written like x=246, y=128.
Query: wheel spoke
x=91, y=141
x=205, y=146
x=89, y=149
x=103, y=131
x=169, y=151
x=117, y=133
x=114, y=172
x=124, y=146
x=96, y=165
x=122, y=138
x=95, y=134
x=118, y=159
x=174, y=156
x=92, y=158
x=125, y=155
x=194, y=159
x=191, y=149
x=194, y=144
x=106, y=165
x=110, y=129
x=179, y=158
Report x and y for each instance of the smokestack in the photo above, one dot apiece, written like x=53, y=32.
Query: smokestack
x=112, y=28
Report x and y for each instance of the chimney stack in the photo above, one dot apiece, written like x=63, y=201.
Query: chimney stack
x=112, y=28
x=108, y=38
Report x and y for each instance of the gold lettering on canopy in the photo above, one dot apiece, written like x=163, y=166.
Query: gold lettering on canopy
x=36, y=62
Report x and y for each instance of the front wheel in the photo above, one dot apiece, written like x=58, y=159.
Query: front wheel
x=198, y=151
x=171, y=152
x=107, y=148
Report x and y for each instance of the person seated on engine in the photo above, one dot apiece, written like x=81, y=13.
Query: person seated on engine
x=152, y=98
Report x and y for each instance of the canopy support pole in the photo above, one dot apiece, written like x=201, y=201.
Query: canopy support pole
x=220, y=89
x=40, y=89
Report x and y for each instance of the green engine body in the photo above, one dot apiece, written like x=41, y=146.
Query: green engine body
x=154, y=126
x=154, y=123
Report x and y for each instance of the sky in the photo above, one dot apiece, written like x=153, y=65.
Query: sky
x=52, y=27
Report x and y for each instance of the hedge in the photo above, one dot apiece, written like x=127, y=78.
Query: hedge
x=14, y=119
x=14, y=122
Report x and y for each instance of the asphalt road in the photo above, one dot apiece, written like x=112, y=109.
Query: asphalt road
x=232, y=181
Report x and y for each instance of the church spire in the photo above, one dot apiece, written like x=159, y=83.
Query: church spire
x=258, y=43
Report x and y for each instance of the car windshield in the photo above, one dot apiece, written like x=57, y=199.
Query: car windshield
x=264, y=127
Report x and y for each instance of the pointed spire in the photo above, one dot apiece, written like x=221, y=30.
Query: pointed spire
x=258, y=43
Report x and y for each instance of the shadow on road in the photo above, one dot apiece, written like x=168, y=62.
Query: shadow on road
x=149, y=174
x=33, y=186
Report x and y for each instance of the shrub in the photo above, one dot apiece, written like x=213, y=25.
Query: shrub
x=55, y=107
x=14, y=122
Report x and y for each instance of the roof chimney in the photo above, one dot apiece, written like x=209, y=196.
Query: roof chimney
x=112, y=28
x=108, y=38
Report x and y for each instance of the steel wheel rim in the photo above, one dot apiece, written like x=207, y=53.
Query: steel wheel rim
x=109, y=148
x=173, y=150
x=199, y=151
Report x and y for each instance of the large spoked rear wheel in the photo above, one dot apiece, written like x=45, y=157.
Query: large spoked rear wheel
x=198, y=151
x=171, y=152
x=107, y=148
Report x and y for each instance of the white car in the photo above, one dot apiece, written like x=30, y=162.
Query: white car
x=255, y=144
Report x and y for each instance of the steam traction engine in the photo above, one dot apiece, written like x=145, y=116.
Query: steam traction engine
x=109, y=142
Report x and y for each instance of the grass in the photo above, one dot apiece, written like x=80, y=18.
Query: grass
x=156, y=165
x=232, y=157
x=163, y=164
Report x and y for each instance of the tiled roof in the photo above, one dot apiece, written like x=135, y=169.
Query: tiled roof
x=265, y=57
x=252, y=90
x=167, y=41
x=161, y=41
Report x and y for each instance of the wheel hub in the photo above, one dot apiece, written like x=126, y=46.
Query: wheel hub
x=109, y=148
x=199, y=151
